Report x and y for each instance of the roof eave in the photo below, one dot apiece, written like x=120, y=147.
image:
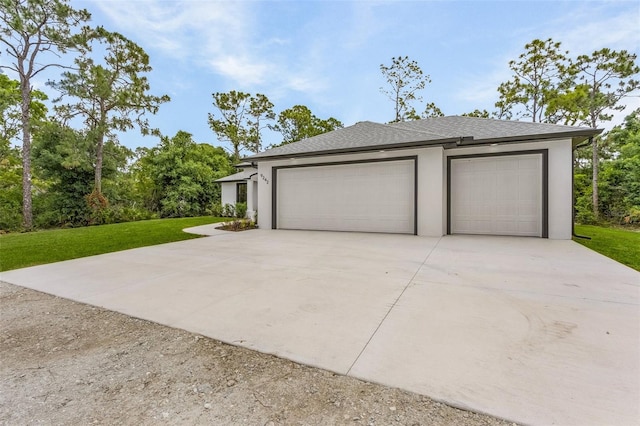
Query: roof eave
x=574, y=136
x=356, y=150
x=446, y=143
x=225, y=180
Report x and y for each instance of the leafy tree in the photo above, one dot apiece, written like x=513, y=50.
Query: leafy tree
x=432, y=110
x=30, y=30
x=240, y=119
x=10, y=109
x=109, y=96
x=620, y=180
x=180, y=175
x=143, y=191
x=10, y=164
x=65, y=158
x=405, y=79
x=605, y=77
x=539, y=75
x=297, y=123
x=10, y=187
x=260, y=110
x=477, y=113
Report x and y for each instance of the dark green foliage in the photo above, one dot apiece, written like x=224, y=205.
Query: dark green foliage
x=10, y=188
x=64, y=158
x=241, y=210
x=10, y=108
x=11, y=170
x=216, y=210
x=619, y=180
x=619, y=183
x=178, y=176
x=30, y=31
x=297, y=123
x=582, y=190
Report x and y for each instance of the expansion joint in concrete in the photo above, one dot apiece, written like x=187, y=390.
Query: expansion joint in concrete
x=395, y=302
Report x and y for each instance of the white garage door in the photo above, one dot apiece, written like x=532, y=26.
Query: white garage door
x=497, y=195
x=364, y=197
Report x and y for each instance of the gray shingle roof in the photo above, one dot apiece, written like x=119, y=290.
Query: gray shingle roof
x=483, y=129
x=447, y=131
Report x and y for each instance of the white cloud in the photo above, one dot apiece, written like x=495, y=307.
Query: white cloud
x=179, y=29
x=221, y=36
x=241, y=69
x=597, y=31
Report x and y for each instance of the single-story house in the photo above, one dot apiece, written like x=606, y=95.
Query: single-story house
x=431, y=177
x=241, y=187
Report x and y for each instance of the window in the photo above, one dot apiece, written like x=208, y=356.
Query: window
x=241, y=192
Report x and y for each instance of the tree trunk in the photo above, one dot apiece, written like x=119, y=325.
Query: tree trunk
x=595, y=165
x=99, y=154
x=27, y=214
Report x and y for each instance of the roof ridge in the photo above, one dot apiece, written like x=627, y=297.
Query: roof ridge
x=532, y=123
x=424, y=132
x=400, y=129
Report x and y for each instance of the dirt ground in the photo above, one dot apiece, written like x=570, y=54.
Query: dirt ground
x=63, y=362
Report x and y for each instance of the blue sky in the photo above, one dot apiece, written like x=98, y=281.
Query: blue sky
x=326, y=54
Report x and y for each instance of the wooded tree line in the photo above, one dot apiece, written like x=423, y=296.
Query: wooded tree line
x=70, y=169
x=548, y=85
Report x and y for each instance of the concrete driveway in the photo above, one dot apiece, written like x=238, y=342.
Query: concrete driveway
x=531, y=330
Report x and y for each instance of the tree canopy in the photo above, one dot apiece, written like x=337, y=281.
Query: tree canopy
x=619, y=180
x=405, y=80
x=297, y=123
x=240, y=119
x=539, y=74
x=181, y=174
x=109, y=95
x=30, y=30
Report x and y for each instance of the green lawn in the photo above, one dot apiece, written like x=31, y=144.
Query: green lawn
x=618, y=244
x=36, y=248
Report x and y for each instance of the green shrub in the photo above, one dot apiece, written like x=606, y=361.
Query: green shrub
x=229, y=210
x=241, y=210
x=216, y=210
x=633, y=218
x=119, y=214
x=584, y=209
x=10, y=218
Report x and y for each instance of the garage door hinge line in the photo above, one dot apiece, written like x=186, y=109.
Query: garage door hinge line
x=393, y=305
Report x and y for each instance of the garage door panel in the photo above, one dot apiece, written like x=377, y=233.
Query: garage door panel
x=499, y=195
x=366, y=197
